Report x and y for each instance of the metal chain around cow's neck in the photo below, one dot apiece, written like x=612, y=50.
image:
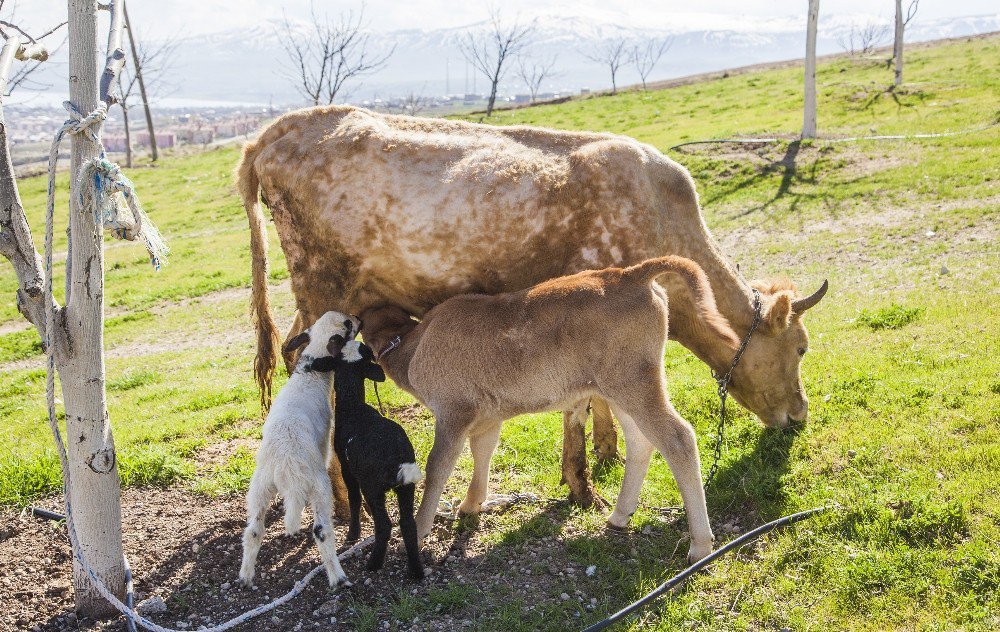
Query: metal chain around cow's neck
x=723, y=382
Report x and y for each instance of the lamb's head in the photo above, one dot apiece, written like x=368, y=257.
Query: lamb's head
x=323, y=341
x=358, y=359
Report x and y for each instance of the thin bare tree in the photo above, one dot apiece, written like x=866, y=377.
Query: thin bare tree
x=897, y=43
x=333, y=52
x=534, y=72
x=152, y=62
x=22, y=75
x=488, y=52
x=809, y=102
x=412, y=103
x=611, y=53
x=647, y=54
x=863, y=39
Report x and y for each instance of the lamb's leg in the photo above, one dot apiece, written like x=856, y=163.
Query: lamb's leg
x=575, y=471
x=342, y=504
x=258, y=498
x=408, y=529
x=482, y=445
x=605, y=435
x=326, y=537
x=638, y=451
x=675, y=439
x=440, y=462
x=354, y=495
x=293, y=514
x=383, y=527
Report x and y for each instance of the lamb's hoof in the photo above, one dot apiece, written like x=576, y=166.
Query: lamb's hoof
x=419, y=574
x=617, y=528
x=342, y=582
x=245, y=582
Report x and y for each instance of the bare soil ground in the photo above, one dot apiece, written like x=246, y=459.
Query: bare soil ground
x=185, y=548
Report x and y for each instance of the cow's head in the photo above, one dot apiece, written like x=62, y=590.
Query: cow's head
x=767, y=380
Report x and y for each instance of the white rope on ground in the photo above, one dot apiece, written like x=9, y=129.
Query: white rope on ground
x=105, y=176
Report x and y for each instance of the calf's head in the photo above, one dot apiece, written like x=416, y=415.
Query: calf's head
x=767, y=381
x=322, y=342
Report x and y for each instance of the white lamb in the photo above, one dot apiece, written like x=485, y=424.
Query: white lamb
x=292, y=460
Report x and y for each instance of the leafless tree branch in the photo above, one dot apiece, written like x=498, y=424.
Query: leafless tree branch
x=534, y=72
x=612, y=53
x=863, y=39
x=489, y=52
x=32, y=50
x=333, y=53
x=646, y=55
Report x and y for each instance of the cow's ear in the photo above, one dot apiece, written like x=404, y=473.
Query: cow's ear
x=374, y=372
x=296, y=342
x=780, y=312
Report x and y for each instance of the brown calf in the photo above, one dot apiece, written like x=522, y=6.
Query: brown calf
x=477, y=360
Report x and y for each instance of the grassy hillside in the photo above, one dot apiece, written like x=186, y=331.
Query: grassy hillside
x=904, y=428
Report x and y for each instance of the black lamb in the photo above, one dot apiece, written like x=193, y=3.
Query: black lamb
x=375, y=456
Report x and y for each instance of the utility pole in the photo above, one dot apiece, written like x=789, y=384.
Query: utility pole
x=809, y=114
x=142, y=84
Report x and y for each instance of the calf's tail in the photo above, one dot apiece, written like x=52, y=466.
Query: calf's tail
x=698, y=285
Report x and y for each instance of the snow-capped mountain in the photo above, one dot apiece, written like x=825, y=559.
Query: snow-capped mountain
x=250, y=66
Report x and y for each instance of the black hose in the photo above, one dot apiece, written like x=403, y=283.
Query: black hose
x=700, y=564
x=45, y=513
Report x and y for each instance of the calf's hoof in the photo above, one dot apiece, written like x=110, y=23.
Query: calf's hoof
x=699, y=551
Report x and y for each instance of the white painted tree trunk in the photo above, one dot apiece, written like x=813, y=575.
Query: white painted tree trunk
x=809, y=111
x=897, y=44
x=95, y=490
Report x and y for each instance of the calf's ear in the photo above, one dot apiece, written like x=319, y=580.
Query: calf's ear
x=296, y=342
x=374, y=372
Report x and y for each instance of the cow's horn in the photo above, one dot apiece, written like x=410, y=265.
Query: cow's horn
x=802, y=304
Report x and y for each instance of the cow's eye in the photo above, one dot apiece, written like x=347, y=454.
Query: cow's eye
x=802, y=351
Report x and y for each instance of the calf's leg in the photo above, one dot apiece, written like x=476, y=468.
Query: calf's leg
x=675, y=439
x=605, y=436
x=440, y=462
x=575, y=470
x=483, y=445
x=638, y=451
x=408, y=529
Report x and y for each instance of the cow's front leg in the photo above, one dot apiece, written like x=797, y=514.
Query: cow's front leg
x=575, y=470
x=605, y=434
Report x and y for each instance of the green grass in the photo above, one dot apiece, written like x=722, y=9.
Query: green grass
x=903, y=437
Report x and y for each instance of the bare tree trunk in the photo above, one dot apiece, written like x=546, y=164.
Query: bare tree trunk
x=897, y=44
x=493, y=96
x=128, y=137
x=809, y=114
x=142, y=92
x=95, y=489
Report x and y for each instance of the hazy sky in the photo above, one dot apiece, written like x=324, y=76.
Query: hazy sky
x=161, y=18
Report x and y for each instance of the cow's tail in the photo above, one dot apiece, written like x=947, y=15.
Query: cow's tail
x=698, y=285
x=268, y=342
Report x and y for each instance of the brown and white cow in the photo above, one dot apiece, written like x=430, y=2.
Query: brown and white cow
x=375, y=209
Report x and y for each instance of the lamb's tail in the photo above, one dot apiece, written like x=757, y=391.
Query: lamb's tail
x=697, y=283
x=409, y=473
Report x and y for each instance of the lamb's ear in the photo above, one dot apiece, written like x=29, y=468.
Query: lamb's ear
x=335, y=345
x=366, y=352
x=296, y=342
x=374, y=372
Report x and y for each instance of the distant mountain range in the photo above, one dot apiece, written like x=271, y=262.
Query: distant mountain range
x=248, y=66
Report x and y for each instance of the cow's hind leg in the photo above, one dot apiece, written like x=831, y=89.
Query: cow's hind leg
x=605, y=435
x=575, y=470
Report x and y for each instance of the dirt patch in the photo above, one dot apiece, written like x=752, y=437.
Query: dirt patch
x=185, y=549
